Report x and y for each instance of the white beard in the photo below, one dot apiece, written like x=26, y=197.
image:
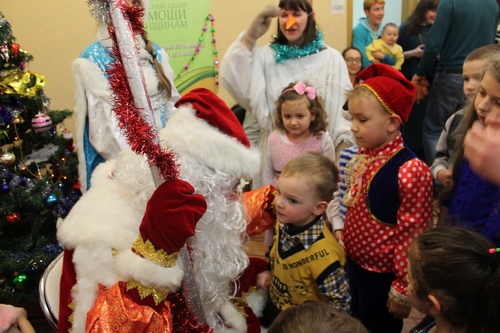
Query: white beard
x=218, y=255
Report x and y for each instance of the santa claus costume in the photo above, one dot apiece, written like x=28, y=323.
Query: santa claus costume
x=104, y=237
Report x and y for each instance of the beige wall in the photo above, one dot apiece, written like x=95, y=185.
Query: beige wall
x=55, y=31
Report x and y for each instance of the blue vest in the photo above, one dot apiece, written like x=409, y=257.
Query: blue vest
x=383, y=191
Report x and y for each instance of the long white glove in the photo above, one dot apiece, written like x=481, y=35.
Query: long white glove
x=261, y=24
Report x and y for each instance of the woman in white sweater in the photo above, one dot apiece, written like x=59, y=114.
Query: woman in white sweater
x=256, y=76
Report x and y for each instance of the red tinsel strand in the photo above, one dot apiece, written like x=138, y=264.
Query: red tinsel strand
x=184, y=321
x=133, y=14
x=140, y=135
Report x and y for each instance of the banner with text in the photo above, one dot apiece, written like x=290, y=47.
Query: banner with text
x=185, y=30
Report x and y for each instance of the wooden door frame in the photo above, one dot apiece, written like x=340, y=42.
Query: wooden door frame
x=407, y=9
x=349, y=22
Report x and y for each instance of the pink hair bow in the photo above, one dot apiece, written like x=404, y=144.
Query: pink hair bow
x=301, y=88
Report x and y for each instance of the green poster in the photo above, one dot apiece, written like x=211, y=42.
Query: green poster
x=185, y=30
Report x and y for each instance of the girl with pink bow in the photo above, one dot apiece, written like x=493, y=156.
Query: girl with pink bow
x=300, y=122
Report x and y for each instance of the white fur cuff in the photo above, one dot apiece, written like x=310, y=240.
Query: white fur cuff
x=234, y=321
x=133, y=266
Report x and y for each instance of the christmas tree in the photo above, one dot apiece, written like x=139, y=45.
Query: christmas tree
x=38, y=173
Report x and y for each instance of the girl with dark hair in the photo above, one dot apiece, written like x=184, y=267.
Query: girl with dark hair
x=254, y=76
x=454, y=275
x=412, y=35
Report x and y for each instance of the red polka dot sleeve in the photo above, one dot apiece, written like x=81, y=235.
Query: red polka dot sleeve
x=414, y=215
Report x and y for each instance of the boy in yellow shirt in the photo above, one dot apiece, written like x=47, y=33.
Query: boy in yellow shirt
x=306, y=262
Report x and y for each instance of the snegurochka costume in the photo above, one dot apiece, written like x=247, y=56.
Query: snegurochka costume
x=98, y=136
x=474, y=204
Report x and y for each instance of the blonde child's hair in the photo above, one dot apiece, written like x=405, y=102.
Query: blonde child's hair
x=368, y=4
x=318, y=169
x=315, y=317
x=315, y=107
x=484, y=52
x=493, y=66
x=360, y=91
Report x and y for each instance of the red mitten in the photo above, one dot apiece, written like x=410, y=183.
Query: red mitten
x=171, y=215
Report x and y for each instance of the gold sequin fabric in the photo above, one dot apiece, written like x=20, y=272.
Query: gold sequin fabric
x=115, y=311
x=147, y=250
x=259, y=208
x=352, y=175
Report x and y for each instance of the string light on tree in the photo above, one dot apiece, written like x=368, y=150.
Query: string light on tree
x=13, y=218
x=31, y=201
x=20, y=281
x=209, y=20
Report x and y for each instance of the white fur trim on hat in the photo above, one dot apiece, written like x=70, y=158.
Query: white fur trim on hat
x=185, y=132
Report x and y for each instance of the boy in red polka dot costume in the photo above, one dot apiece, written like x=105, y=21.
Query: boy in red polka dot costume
x=389, y=199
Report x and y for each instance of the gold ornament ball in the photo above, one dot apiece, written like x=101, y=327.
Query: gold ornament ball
x=7, y=158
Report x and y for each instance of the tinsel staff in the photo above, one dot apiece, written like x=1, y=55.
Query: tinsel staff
x=133, y=110
x=132, y=106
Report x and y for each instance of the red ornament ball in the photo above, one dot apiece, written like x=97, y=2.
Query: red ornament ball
x=14, y=47
x=41, y=122
x=13, y=218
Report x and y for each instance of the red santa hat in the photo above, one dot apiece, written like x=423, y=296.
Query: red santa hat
x=170, y=219
x=390, y=87
x=204, y=126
